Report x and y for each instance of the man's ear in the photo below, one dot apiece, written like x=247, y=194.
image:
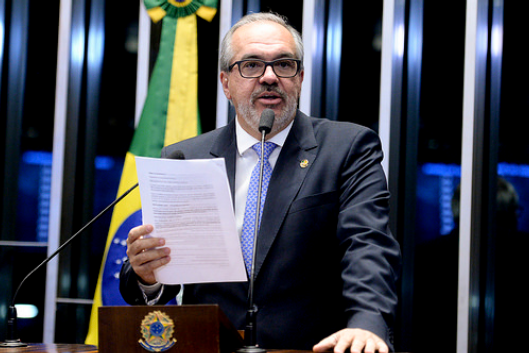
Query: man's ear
x=224, y=81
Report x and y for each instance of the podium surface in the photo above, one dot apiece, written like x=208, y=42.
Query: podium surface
x=137, y=329
x=76, y=348
x=59, y=348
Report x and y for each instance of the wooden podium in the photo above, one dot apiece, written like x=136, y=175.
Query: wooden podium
x=175, y=328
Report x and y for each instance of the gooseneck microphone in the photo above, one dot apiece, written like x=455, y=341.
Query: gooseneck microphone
x=266, y=123
x=11, y=338
x=250, y=331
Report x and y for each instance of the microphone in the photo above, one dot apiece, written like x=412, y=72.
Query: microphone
x=266, y=122
x=250, y=331
x=11, y=338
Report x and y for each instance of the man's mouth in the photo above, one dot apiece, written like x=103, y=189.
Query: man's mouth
x=269, y=97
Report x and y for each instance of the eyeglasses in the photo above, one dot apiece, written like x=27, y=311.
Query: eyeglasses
x=254, y=68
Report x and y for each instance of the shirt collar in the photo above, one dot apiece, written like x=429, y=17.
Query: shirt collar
x=246, y=141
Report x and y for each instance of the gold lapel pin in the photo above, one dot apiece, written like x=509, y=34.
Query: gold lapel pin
x=304, y=163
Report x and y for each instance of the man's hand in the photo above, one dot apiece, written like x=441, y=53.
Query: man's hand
x=357, y=339
x=143, y=255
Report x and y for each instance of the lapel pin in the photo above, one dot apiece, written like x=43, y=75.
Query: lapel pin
x=304, y=163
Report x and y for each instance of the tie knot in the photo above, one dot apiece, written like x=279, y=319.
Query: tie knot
x=268, y=148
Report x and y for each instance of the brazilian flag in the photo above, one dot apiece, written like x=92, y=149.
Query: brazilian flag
x=170, y=114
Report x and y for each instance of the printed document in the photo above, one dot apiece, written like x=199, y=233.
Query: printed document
x=189, y=204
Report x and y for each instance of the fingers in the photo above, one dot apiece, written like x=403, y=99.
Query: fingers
x=357, y=340
x=137, y=242
x=374, y=345
x=370, y=344
x=326, y=343
x=146, y=253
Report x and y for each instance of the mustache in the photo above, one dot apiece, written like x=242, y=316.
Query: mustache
x=268, y=88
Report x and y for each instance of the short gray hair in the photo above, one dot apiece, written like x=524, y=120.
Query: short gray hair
x=226, y=52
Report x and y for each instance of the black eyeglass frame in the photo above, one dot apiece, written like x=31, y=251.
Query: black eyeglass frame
x=266, y=63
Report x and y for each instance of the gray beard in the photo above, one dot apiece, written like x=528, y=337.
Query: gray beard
x=251, y=116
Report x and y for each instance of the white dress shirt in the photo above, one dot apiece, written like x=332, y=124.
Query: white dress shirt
x=245, y=162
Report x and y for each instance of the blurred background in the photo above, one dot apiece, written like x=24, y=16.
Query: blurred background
x=424, y=151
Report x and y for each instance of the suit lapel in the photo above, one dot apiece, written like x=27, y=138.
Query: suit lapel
x=226, y=147
x=287, y=178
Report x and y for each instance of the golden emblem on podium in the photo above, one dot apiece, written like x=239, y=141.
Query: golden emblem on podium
x=157, y=330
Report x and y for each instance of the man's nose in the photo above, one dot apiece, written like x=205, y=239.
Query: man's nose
x=269, y=76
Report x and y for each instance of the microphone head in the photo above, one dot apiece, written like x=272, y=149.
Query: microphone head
x=267, y=121
x=177, y=154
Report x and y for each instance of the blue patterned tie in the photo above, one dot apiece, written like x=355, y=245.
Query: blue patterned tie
x=248, y=225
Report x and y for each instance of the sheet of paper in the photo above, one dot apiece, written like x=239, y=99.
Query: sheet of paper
x=189, y=204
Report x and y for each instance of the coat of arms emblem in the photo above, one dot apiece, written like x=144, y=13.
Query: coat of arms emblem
x=157, y=330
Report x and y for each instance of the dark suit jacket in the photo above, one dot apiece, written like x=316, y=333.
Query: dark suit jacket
x=325, y=257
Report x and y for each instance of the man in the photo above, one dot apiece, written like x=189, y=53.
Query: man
x=326, y=264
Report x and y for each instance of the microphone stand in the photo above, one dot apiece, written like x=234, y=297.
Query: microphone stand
x=250, y=331
x=12, y=340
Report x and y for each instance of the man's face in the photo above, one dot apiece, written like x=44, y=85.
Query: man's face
x=265, y=41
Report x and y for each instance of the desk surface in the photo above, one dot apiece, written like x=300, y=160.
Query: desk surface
x=75, y=348
x=59, y=348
